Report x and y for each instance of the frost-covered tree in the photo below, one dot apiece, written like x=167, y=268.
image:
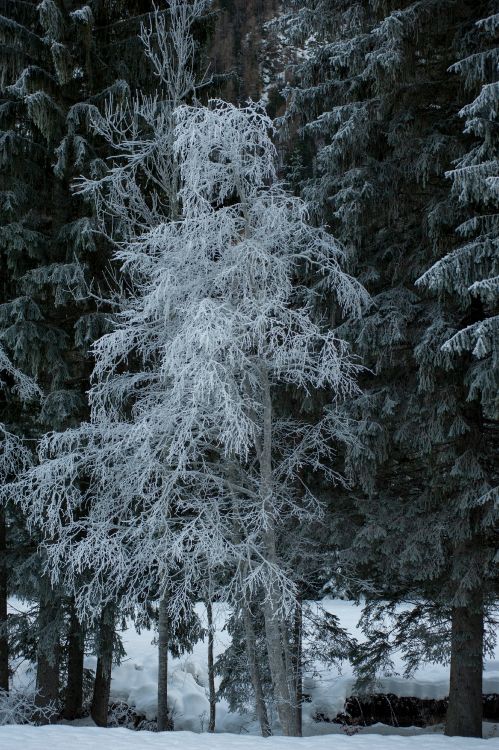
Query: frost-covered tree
x=58, y=62
x=190, y=459
x=377, y=103
x=89, y=34
x=14, y=458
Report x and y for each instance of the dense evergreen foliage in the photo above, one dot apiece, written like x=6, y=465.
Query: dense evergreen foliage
x=377, y=98
x=58, y=64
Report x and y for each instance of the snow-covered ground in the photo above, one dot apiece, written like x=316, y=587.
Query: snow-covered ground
x=66, y=738
x=135, y=682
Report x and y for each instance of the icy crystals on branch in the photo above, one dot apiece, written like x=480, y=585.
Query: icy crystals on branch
x=222, y=326
x=189, y=440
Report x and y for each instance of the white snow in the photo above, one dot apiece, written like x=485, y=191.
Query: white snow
x=431, y=681
x=135, y=679
x=90, y=738
x=135, y=682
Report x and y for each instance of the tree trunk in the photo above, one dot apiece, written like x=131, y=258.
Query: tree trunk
x=256, y=680
x=211, y=665
x=297, y=664
x=277, y=663
x=48, y=656
x=464, y=715
x=164, y=721
x=4, y=641
x=275, y=627
x=73, y=702
x=250, y=639
x=102, y=685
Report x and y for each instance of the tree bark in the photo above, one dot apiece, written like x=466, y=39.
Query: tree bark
x=256, y=680
x=48, y=655
x=275, y=626
x=464, y=715
x=4, y=640
x=164, y=720
x=275, y=650
x=102, y=684
x=73, y=702
x=297, y=664
x=211, y=666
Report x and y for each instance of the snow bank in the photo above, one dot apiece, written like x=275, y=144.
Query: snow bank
x=87, y=738
x=135, y=680
x=329, y=689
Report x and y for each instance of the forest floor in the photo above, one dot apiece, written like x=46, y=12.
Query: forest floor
x=134, y=686
x=326, y=687
x=88, y=738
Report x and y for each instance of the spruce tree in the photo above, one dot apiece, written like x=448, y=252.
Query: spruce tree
x=376, y=101
x=25, y=179
x=59, y=63
x=468, y=277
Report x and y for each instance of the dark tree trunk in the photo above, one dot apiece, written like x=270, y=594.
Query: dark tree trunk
x=164, y=721
x=256, y=680
x=211, y=666
x=4, y=641
x=73, y=702
x=102, y=685
x=464, y=715
x=48, y=656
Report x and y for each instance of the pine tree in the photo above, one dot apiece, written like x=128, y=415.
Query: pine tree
x=377, y=101
x=468, y=275
x=470, y=272
x=58, y=64
x=24, y=174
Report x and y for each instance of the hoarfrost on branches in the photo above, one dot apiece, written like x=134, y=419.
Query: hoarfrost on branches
x=189, y=442
x=19, y=707
x=188, y=464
